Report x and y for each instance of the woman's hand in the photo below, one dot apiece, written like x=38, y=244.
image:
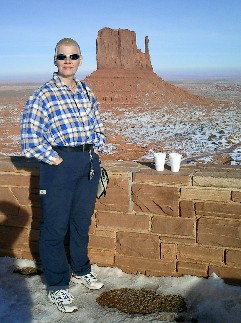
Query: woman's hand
x=58, y=160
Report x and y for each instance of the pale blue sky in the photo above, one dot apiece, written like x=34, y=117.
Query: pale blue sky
x=186, y=37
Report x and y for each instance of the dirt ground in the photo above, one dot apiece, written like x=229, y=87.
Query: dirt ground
x=123, y=137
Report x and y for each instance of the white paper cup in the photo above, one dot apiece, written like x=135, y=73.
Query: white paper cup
x=159, y=161
x=175, y=161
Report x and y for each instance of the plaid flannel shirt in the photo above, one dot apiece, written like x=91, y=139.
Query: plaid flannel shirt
x=54, y=116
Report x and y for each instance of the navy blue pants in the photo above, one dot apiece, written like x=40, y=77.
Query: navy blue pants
x=68, y=199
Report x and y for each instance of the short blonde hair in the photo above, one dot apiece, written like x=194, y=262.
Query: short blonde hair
x=66, y=41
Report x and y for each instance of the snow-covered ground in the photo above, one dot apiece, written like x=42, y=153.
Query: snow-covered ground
x=23, y=298
x=198, y=133
x=194, y=132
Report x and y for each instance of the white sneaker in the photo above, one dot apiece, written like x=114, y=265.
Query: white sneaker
x=62, y=299
x=90, y=281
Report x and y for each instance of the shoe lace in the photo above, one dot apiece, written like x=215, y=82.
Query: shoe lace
x=63, y=295
x=90, y=276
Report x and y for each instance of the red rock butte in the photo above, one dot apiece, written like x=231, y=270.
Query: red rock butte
x=125, y=77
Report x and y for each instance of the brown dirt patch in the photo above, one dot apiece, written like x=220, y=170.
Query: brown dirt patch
x=141, y=301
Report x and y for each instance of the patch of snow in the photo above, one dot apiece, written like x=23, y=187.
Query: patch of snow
x=24, y=298
x=190, y=131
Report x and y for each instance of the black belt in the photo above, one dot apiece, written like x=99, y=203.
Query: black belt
x=82, y=148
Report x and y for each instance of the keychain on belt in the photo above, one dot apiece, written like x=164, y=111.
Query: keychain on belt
x=92, y=172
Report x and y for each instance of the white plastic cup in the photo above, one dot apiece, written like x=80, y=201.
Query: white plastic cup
x=175, y=161
x=159, y=161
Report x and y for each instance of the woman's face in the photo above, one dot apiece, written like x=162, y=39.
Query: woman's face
x=68, y=67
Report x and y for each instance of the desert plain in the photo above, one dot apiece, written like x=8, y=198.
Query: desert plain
x=202, y=134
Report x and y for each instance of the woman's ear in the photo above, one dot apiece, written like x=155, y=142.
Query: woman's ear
x=80, y=60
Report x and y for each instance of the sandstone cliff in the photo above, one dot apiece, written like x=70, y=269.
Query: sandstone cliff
x=125, y=76
x=117, y=49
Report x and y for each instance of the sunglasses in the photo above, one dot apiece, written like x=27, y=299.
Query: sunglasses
x=62, y=57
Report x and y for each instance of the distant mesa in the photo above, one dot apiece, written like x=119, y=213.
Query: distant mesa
x=116, y=49
x=125, y=77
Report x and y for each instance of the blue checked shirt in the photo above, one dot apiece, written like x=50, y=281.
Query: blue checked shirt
x=55, y=116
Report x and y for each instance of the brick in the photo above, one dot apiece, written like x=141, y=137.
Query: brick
x=219, y=232
x=13, y=237
x=224, y=180
x=26, y=254
x=21, y=221
x=7, y=252
x=33, y=213
x=117, y=197
x=236, y=196
x=168, y=251
x=19, y=253
x=105, y=232
x=192, y=268
x=8, y=202
x=172, y=226
x=233, y=257
x=101, y=242
x=102, y=205
x=34, y=182
x=6, y=165
x=101, y=257
x=3, y=219
x=155, y=199
x=200, y=254
x=27, y=165
x=34, y=235
x=223, y=210
x=13, y=179
x=36, y=222
x=26, y=210
x=133, y=271
x=178, y=239
x=214, y=169
x=29, y=211
x=7, y=208
x=92, y=227
x=23, y=253
x=131, y=222
x=206, y=194
x=118, y=186
x=25, y=196
x=162, y=178
x=154, y=273
x=141, y=265
x=225, y=272
x=138, y=245
x=187, y=209
x=119, y=167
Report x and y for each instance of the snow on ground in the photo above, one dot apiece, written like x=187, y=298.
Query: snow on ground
x=191, y=131
x=198, y=133
x=23, y=298
x=222, y=89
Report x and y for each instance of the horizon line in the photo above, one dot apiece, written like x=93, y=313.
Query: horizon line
x=166, y=75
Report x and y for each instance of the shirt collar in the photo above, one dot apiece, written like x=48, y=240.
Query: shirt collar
x=59, y=83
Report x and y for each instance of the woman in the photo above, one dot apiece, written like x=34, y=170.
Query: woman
x=62, y=128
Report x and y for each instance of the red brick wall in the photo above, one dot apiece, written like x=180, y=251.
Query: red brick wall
x=155, y=223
